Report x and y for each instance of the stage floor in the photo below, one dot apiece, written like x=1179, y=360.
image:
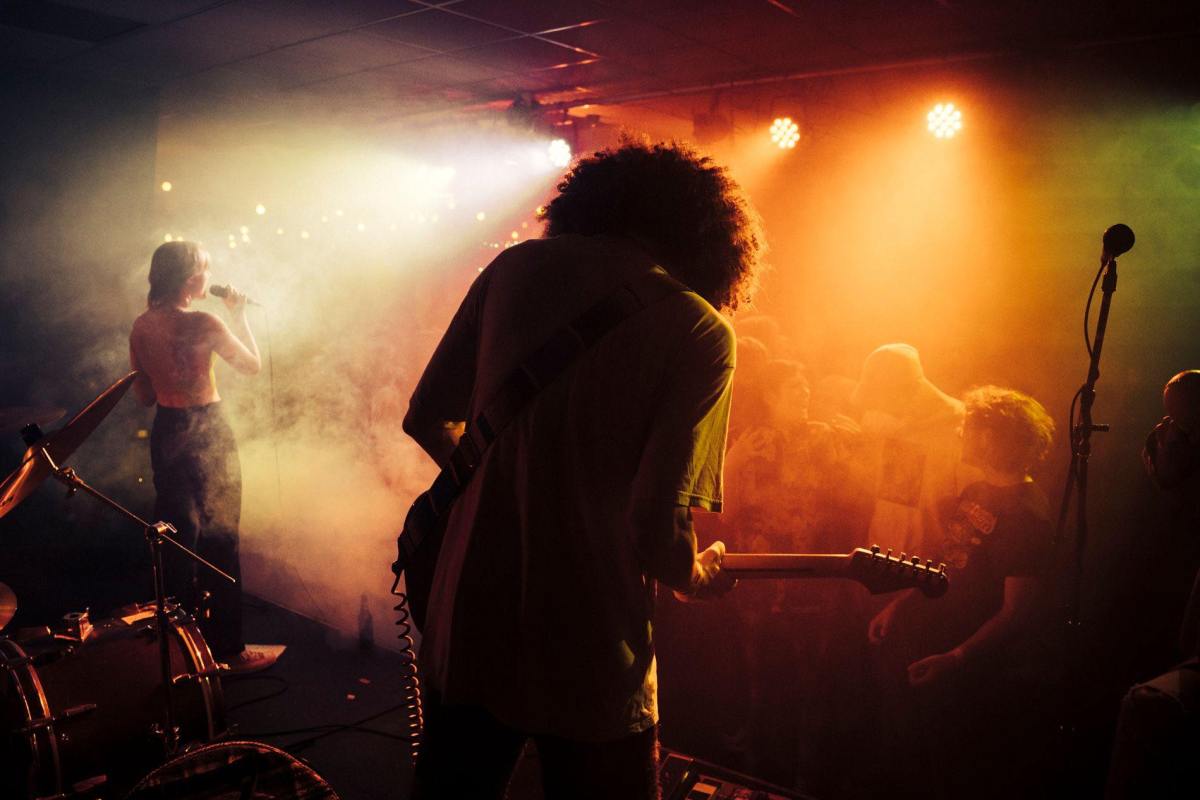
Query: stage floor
x=330, y=703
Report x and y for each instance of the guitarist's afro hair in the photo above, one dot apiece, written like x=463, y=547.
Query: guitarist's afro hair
x=686, y=210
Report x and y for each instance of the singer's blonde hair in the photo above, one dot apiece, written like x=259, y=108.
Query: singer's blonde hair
x=171, y=266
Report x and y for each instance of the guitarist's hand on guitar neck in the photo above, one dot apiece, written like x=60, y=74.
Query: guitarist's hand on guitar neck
x=709, y=581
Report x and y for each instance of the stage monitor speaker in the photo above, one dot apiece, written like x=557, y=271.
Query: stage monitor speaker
x=680, y=776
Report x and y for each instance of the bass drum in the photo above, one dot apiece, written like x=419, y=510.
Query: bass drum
x=82, y=717
x=233, y=771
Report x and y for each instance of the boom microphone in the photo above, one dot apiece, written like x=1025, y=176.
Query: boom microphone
x=223, y=291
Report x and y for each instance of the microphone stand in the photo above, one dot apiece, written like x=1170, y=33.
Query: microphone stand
x=156, y=534
x=1077, y=483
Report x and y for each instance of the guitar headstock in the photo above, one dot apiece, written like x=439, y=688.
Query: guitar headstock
x=883, y=572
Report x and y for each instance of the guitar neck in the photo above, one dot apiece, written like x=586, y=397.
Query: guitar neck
x=878, y=571
x=745, y=566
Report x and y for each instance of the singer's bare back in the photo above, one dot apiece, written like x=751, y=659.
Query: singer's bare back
x=175, y=349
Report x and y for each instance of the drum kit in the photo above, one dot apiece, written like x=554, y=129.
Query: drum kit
x=88, y=707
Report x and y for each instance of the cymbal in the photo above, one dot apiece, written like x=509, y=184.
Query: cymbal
x=8, y=605
x=60, y=445
x=13, y=418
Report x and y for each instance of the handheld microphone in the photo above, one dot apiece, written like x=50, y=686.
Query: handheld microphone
x=1118, y=240
x=223, y=291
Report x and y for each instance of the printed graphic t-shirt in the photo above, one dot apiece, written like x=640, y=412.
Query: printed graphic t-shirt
x=540, y=611
x=917, y=465
x=989, y=533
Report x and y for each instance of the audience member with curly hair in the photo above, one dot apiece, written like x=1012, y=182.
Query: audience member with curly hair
x=978, y=663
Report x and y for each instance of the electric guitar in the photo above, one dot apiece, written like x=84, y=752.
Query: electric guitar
x=879, y=572
x=418, y=546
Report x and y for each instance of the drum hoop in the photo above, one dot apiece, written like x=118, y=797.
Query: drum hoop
x=202, y=659
x=41, y=728
x=25, y=665
x=234, y=744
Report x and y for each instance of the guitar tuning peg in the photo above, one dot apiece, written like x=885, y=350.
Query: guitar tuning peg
x=875, y=549
x=929, y=563
x=916, y=560
x=942, y=567
x=888, y=557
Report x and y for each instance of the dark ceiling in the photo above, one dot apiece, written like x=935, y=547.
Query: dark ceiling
x=413, y=56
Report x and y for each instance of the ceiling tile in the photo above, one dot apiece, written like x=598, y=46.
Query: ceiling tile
x=442, y=70
x=532, y=16
x=438, y=30
x=199, y=42
x=522, y=55
x=579, y=80
x=686, y=63
x=149, y=11
x=168, y=56
x=790, y=50
x=635, y=7
x=719, y=21
x=594, y=72
x=328, y=58
x=921, y=28
x=617, y=35
x=27, y=47
x=317, y=17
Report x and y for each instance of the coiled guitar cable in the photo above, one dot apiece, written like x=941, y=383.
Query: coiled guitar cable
x=410, y=681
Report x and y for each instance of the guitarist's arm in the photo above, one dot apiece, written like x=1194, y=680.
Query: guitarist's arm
x=667, y=542
x=442, y=396
x=683, y=458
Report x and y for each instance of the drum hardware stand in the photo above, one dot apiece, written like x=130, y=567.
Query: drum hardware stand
x=79, y=626
x=1118, y=239
x=156, y=534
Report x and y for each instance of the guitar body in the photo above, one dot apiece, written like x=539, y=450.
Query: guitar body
x=420, y=542
x=418, y=579
x=417, y=548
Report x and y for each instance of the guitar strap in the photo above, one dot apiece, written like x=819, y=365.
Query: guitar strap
x=523, y=384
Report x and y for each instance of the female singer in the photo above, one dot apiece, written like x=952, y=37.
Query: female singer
x=197, y=475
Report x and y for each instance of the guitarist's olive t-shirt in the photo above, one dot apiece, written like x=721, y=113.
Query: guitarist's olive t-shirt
x=540, y=611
